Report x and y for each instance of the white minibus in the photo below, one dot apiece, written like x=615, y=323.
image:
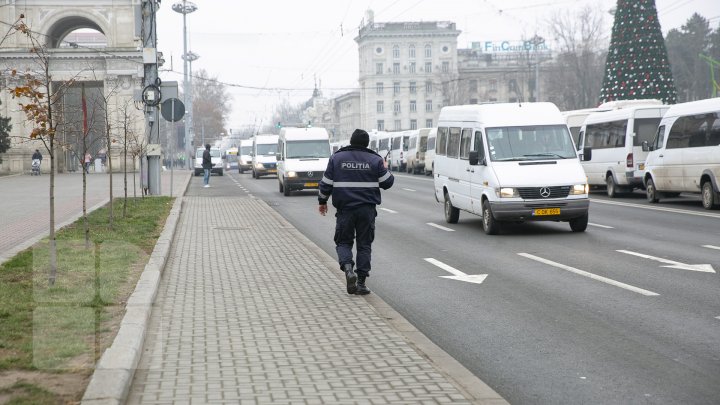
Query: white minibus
x=416, y=151
x=574, y=120
x=430, y=152
x=398, y=150
x=616, y=138
x=685, y=154
x=264, y=155
x=383, y=144
x=509, y=162
x=303, y=155
x=245, y=155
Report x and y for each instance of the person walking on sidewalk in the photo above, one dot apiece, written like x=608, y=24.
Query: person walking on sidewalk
x=354, y=177
x=207, y=165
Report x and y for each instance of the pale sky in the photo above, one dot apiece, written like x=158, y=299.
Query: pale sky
x=269, y=50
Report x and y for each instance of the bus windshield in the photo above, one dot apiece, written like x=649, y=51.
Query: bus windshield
x=530, y=143
x=308, y=149
x=266, y=148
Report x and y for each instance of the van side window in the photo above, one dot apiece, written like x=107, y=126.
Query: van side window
x=478, y=145
x=431, y=143
x=645, y=129
x=465, y=143
x=441, y=141
x=659, y=138
x=580, y=141
x=453, y=143
x=695, y=131
x=606, y=135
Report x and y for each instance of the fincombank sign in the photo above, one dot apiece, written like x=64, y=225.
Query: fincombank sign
x=509, y=46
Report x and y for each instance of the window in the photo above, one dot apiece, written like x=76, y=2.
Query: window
x=428, y=67
x=659, y=137
x=413, y=125
x=605, y=135
x=465, y=143
x=413, y=87
x=428, y=87
x=396, y=52
x=428, y=123
x=428, y=105
x=473, y=101
x=412, y=51
x=453, y=143
x=478, y=145
x=431, y=143
x=413, y=106
x=396, y=68
x=473, y=86
x=379, y=88
x=441, y=141
x=380, y=106
x=446, y=67
x=412, y=67
x=381, y=125
x=396, y=106
x=512, y=86
x=396, y=87
x=540, y=142
x=379, y=68
x=428, y=51
x=493, y=85
x=645, y=129
x=397, y=125
x=695, y=131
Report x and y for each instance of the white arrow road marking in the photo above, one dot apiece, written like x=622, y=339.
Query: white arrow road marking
x=589, y=275
x=711, y=247
x=409, y=189
x=705, y=268
x=457, y=274
x=440, y=227
x=600, y=226
x=388, y=210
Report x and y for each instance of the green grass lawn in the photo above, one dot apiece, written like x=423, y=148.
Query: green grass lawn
x=55, y=328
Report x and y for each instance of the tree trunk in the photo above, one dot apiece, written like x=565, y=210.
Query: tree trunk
x=53, y=244
x=110, y=173
x=125, y=176
x=86, y=225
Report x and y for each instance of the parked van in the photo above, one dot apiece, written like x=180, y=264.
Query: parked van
x=685, y=154
x=264, y=159
x=416, y=151
x=215, y=158
x=245, y=155
x=398, y=150
x=509, y=162
x=616, y=138
x=303, y=155
x=383, y=144
x=430, y=152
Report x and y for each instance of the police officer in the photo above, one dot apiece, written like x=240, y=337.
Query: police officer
x=354, y=177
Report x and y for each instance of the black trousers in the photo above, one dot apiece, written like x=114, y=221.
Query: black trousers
x=355, y=224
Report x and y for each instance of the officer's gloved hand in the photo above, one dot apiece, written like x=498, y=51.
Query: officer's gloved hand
x=322, y=209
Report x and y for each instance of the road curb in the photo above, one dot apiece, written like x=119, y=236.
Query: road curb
x=474, y=389
x=110, y=383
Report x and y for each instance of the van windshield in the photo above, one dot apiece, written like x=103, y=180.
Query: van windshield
x=213, y=153
x=245, y=150
x=422, y=147
x=266, y=148
x=530, y=143
x=308, y=149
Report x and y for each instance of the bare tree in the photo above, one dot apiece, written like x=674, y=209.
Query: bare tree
x=211, y=106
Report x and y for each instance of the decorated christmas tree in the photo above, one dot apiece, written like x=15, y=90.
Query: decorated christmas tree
x=637, y=65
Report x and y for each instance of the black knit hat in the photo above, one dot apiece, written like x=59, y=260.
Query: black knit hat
x=360, y=138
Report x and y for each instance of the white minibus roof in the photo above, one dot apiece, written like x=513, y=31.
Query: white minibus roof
x=639, y=111
x=503, y=114
x=295, y=134
x=694, y=107
x=617, y=104
x=266, y=138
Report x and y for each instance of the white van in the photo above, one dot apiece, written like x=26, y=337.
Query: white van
x=575, y=119
x=245, y=155
x=509, y=162
x=303, y=155
x=383, y=144
x=616, y=138
x=264, y=155
x=215, y=158
x=430, y=152
x=416, y=151
x=398, y=150
x=685, y=154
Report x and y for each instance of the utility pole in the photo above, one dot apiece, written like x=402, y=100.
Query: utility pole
x=151, y=95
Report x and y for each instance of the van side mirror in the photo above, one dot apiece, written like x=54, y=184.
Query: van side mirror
x=475, y=159
x=646, y=147
x=278, y=156
x=587, y=154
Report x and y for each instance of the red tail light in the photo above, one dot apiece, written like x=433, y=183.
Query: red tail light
x=629, y=161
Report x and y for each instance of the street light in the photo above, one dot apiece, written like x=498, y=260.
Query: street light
x=189, y=58
x=186, y=7
x=535, y=42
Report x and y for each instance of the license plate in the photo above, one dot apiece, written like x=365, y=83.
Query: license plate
x=546, y=211
x=272, y=171
x=311, y=184
x=641, y=166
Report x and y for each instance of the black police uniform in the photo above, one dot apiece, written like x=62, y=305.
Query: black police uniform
x=354, y=177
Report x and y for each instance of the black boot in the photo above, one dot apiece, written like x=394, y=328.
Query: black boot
x=350, y=277
x=361, y=289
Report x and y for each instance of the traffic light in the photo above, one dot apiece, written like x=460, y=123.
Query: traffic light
x=278, y=125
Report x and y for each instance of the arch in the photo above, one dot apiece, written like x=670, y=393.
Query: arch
x=64, y=23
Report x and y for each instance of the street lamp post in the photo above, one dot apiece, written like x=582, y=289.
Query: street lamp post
x=536, y=41
x=186, y=7
x=189, y=58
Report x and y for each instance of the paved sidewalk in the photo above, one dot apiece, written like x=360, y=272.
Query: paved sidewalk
x=248, y=312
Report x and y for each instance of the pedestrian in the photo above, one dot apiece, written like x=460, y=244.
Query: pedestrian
x=207, y=165
x=36, y=161
x=88, y=160
x=354, y=177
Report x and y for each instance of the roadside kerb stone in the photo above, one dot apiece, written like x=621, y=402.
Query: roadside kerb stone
x=113, y=375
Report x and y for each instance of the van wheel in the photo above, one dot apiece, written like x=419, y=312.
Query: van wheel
x=452, y=214
x=280, y=186
x=286, y=191
x=579, y=224
x=710, y=198
x=651, y=192
x=612, y=188
x=490, y=225
x=241, y=171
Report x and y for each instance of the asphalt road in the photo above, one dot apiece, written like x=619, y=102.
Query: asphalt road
x=561, y=317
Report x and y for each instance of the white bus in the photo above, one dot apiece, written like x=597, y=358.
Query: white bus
x=417, y=150
x=264, y=155
x=303, y=155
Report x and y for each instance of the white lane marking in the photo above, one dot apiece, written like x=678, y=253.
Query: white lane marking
x=389, y=210
x=711, y=247
x=409, y=189
x=665, y=209
x=717, y=317
x=457, y=274
x=589, y=275
x=440, y=227
x=600, y=226
x=705, y=268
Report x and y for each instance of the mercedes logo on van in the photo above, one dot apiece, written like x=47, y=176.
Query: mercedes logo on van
x=310, y=174
x=544, y=192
